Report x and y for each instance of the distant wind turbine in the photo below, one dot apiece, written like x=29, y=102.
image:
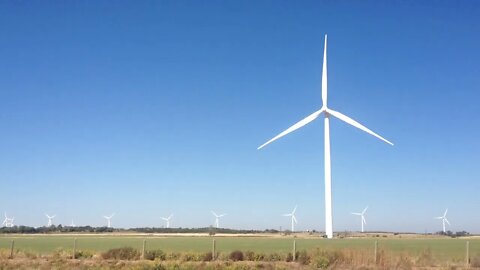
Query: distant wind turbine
x=362, y=215
x=327, y=113
x=72, y=224
x=292, y=215
x=50, y=219
x=109, y=220
x=8, y=222
x=217, y=219
x=444, y=219
x=168, y=220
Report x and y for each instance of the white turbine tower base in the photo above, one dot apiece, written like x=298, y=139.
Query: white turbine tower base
x=362, y=215
x=217, y=219
x=293, y=219
x=167, y=220
x=444, y=219
x=327, y=112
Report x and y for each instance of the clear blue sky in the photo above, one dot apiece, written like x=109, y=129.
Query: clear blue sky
x=157, y=107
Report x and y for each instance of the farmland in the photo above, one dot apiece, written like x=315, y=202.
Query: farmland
x=441, y=248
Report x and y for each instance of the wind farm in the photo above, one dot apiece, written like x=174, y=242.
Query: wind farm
x=199, y=135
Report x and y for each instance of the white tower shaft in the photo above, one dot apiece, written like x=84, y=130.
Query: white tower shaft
x=328, y=182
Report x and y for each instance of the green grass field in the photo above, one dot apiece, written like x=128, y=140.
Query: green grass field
x=442, y=248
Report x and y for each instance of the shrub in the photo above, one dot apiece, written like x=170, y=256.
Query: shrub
x=191, y=257
x=303, y=257
x=475, y=261
x=125, y=253
x=321, y=261
x=274, y=257
x=173, y=256
x=259, y=257
x=289, y=257
x=83, y=254
x=207, y=257
x=249, y=255
x=236, y=255
x=155, y=255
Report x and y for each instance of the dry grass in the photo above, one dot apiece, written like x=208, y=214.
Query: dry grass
x=238, y=260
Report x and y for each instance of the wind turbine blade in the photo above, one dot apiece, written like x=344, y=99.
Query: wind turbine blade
x=169, y=217
x=364, y=210
x=363, y=220
x=294, y=209
x=358, y=214
x=295, y=219
x=354, y=123
x=438, y=217
x=296, y=126
x=447, y=221
x=215, y=214
x=324, y=75
x=445, y=214
x=287, y=215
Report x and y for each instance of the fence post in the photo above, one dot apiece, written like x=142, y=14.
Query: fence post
x=467, y=255
x=213, y=250
x=375, y=252
x=12, y=245
x=294, y=249
x=143, y=249
x=74, y=247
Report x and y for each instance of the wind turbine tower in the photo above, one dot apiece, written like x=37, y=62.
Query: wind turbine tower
x=362, y=215
x=217, y=219
x=8, y=222
x=444, y=219
x=327, y=114
x=292, y=215
x=109, y=220
x=50, y=219
x=167, y=220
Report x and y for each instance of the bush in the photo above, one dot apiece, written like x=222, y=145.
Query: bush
x=303, y=257
x=236, y=255
x=207, y=257
x=475, y=261
x=125, y=253
x=155, y=255
x=173, y=256
x=191, y=257
x=274, y=257
x=321, y=261
x=289, y=257
x=83, y=254
x=249, y=255
x=259, y=257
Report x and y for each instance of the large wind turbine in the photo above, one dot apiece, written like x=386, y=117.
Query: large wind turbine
x=327, y=112
x=292, y=214
x=109, y=220
x=50, y=218
x=362, y=214
x=168, y=220
x=444, y=219
x=217, y=219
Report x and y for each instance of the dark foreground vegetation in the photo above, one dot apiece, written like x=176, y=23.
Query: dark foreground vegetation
x=130, y=258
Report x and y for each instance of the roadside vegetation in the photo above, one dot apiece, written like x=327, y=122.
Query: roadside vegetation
x=130, y=258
